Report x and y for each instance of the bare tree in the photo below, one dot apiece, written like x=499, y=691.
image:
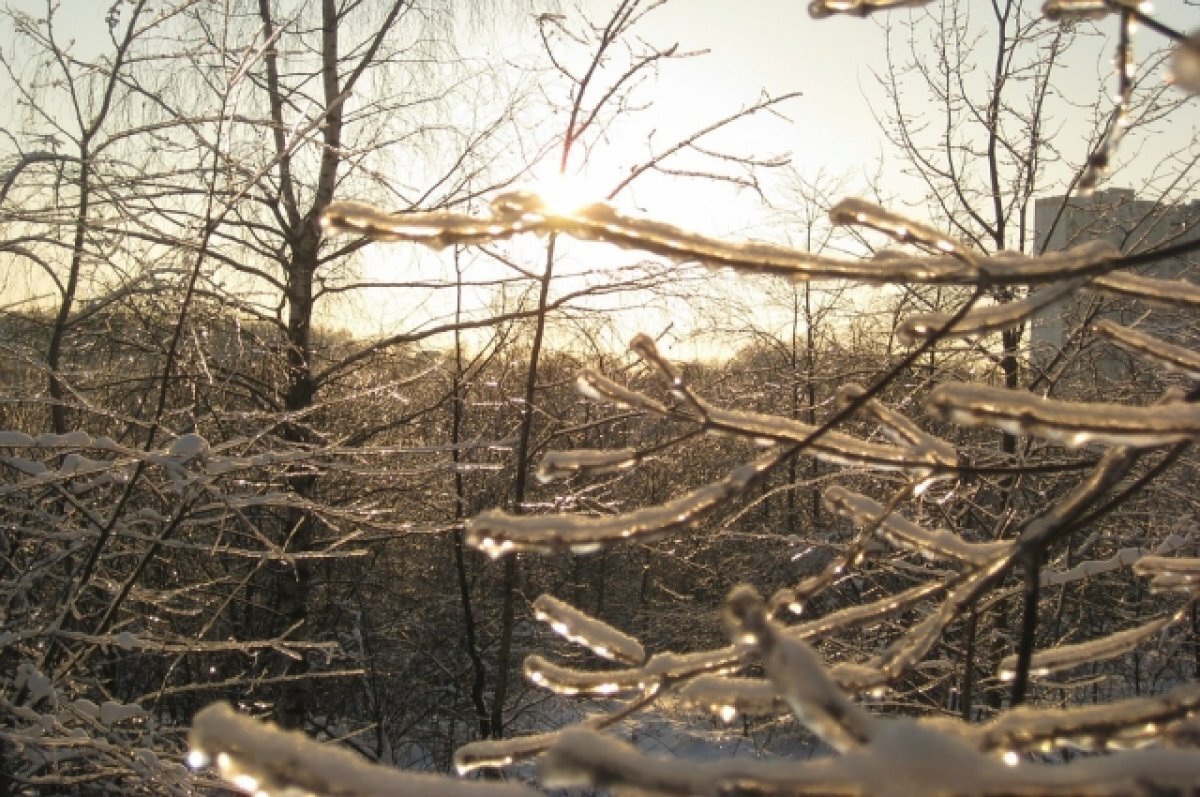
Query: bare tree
x=1134, y=444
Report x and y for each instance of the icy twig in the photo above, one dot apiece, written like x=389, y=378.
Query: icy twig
x=903, y=653
x=1123, y=558
x=1068, y=422
x=582, y=629
x=1123, y=723
x=933, y=544
x=1083, y=9
x=819, y=9
x=907, y=759
x=595, y=462
x=1185, y=64
x=798, y=673
x=1176, y=358
x=1169, y=572
x=837, y=448
x=899, y=428
x=521, y=212
x=861, y=213
x=660, y=669
x=862, y=613
x=497, y=532
x=261, y=759
x=1064, y=657
x=994, y=318
x=726, y=696
x=1172, y=293
x=598, y=387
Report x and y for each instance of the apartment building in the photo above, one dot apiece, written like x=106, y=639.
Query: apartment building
x=1133, y=225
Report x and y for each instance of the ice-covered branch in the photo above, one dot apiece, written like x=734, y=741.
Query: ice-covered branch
x=582, y=629
x=497, y=532
x=935, y=544
x=1071, y=423
x=861, y=213
x=798, y=674
x=899, y=428
x=837, y=448
x=260, y=759
x=996, y=317
x=1171, y=293
x=1175, y=358
x=820, y=9
x=1125, y=723
x=1065, y=657
x=592, y=462
x=1169, y=572
x=906, y=759
x=1126, y=557
x=521, y=212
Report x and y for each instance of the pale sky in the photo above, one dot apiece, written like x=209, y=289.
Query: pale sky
x=757, y=45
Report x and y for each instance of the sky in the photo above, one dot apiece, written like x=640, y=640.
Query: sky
x=748, y=47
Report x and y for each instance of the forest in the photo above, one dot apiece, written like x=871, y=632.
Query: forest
x=347, y=448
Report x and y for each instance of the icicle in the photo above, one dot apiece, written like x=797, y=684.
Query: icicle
x=900, y=429
x=937, y=544
x=263, y=760
x=581, y=629
x=1064, y=657
x=1071, y=423
x=798, y=673
x=1176, y=358
x=915, y=329
x=497, y=532
x=564, y=464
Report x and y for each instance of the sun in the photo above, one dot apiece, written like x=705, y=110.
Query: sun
x=568, y=193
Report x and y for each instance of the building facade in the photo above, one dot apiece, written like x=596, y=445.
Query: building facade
x=1059, y=336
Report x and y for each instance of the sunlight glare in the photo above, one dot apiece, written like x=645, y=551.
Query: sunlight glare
x=568, y=193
